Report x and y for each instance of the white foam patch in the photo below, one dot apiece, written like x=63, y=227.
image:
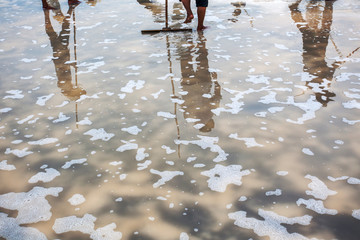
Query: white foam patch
x=28, y=60
x=123, y=176
x=276, y=192
x=76, y=199
x=281, y=46
x=310, y=107
x=11, y=230
x=17, y=152
x=352, y=104
x=157, y=94
x=47, y=176
x=207, y=142
x=353, y=180
x=275, y=109
x=350, y=122
x=249, y=142
x=61, y=118
x=318, y=188
x=99, y=134
x=242, y=198
x=338, y=178
x=133, y=130
x=258, y=79
x=282, y=173
x=144, y=165
x=165, y=176
x=116, y=163
x=6, y=167
x=307, y=151
x=168, y=149
x=41, y=101
x=86, y=225
x=316, y=206
x=64, y=103
x=5, y=110
x=184, y=236
x=127, y=146
x=43, y=141
x=221, y=176
x=73, y=162
x=83, y=97
x=271, y=225
x=90, y=66
x=165, y=115
x=141, y=154
x=85, y=121
x=15, y=94
x=25, y=119
x=32, y=206
x=131, y=85
x=356, y=213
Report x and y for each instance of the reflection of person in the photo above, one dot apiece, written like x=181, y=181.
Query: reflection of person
x=92, y=2
x=155, y=7
x=315, y=29
x=61, y=55
x=237, y=11
x=203, y=90
x=54, y=4
x=201, y=11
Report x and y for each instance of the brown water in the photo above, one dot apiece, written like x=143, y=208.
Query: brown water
x=249, y=130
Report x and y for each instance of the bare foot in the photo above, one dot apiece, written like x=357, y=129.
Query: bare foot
x=189, y=19
x=201, y=28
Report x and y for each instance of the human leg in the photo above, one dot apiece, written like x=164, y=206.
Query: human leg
x=189, y=13
x=201, y=11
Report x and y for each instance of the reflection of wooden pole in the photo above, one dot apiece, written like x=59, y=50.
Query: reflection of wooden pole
x=76, y=79
x=173, y=91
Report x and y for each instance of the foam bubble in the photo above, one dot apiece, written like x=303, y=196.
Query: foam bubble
x=6, y=167
x=32, y=206
x=72, y=162
x=99, y=134
x=316, y=206
x=47, y=176
x=318, y=187
x=10, y=229
x=165, y=176
x=76, y=199
x=271, y=225
x=221, y=176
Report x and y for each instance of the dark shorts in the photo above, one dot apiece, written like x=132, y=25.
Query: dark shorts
x=201, y=3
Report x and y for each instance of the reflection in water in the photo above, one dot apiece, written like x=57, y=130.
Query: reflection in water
x=92, y=2
x=156, y=8
x=237, y=11
x=316, y=29
x=203, y=90
x=258, y=175
x=61, y=52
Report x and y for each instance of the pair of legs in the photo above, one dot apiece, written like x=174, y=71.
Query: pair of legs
x=201, y=10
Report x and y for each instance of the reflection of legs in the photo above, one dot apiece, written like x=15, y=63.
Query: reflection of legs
x=189, y=13
x=201, y=16
x=73, y=2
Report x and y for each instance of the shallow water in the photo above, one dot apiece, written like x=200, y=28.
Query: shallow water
x=249, y=130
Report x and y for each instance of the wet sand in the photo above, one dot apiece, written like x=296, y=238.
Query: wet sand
x=247, y=130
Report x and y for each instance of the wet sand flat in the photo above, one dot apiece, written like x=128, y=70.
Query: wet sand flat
x=247, y=130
